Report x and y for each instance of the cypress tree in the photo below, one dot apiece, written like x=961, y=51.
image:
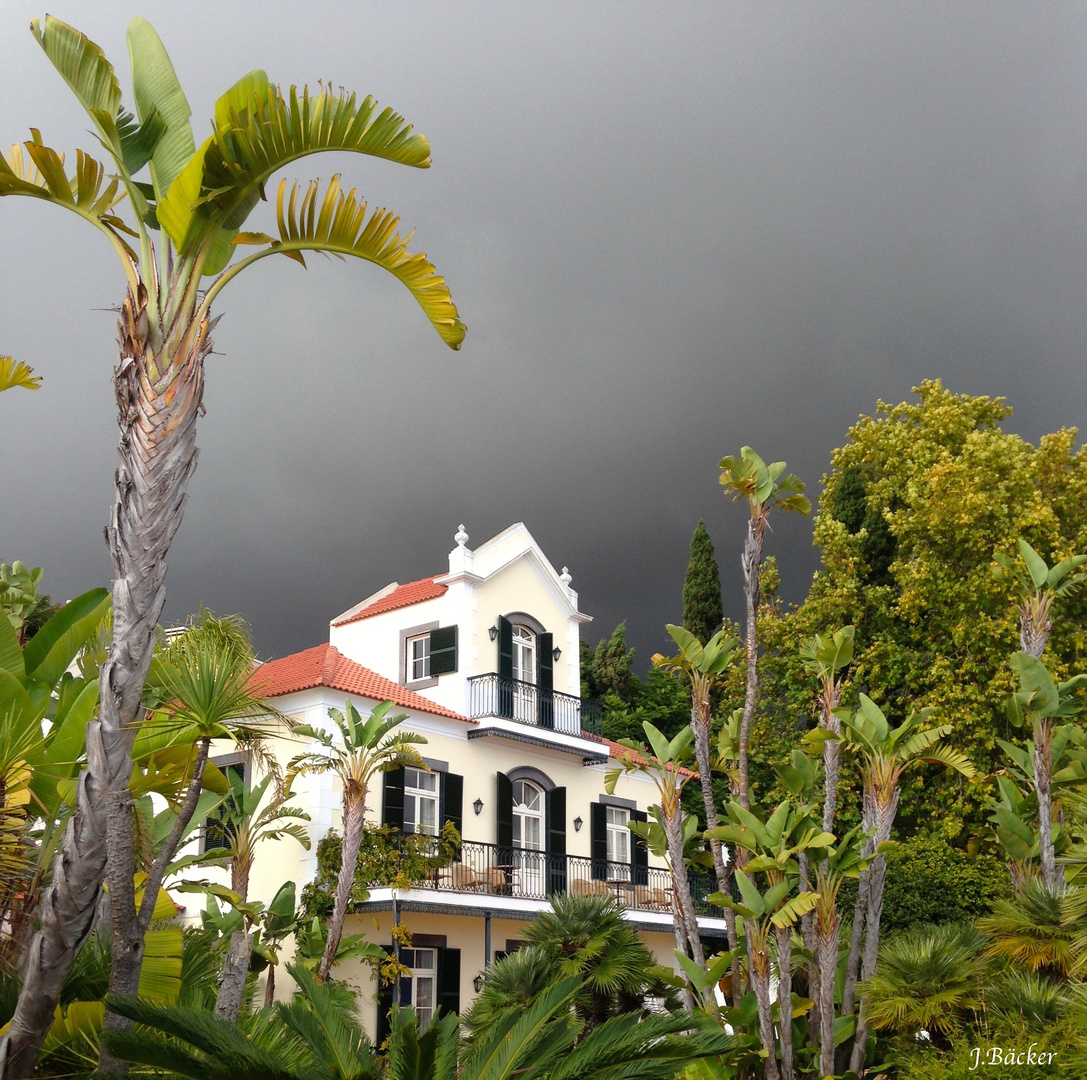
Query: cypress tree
x=703, y=611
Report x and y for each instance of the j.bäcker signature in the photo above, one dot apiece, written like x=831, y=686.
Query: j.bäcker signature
x=1000, y=1055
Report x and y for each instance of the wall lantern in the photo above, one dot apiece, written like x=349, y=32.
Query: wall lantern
x=556, y=652
x=477, y=982
x=577, y=824
x=477, y=806
x=493, y=631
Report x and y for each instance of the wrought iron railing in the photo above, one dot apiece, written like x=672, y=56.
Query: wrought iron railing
x=487, y=869
x=493, y=695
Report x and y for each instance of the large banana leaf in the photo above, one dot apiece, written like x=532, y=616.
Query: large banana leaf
x=338, y=224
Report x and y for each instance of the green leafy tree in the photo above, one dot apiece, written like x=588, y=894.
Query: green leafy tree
x=951, y=488
x=764, y=487
x=703, y=611
x=607, y=669
x=175, y=247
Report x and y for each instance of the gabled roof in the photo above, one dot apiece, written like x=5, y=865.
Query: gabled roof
x=392, y=597
x=325, y=665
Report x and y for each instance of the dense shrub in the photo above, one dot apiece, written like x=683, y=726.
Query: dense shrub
x=929, y=881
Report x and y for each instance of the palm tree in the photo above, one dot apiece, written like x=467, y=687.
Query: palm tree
x=1036, y=929
x=367, y=748
x=201, y=684
x=927, y=977
x=16, y=373
x=704, y=668
x=763, y=486
x=666, y=764
x=198, y=199
x=884, y=754
x=315, y=1038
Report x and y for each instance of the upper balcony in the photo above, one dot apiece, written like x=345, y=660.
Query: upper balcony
x=506, y=707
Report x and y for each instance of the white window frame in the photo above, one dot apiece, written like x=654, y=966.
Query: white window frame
x=408, y=635
x=618, y=840
x=418, y=658
x=416, y=787
x=420, y=975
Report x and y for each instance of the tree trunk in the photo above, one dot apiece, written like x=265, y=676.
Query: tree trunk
x=827, y=959
x=884, y=812
x=1052, y=875
x=758, y=962
x=751, y=563
x=681, y=887
x=832, y=753
x=689, y=1002
x=130, y=925
x=158, y=397
x=784, y=937
x=270, y=987
x=700, y=724
x=354, y=808
x=228, y=1004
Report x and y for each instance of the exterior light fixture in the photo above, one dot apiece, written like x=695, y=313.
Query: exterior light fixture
x=477, y=982
x=477, y=806
x=556, y=652
x=493, y=631
x=577, y=824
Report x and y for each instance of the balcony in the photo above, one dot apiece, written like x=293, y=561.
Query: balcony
x=486, y=870
x=525, y=703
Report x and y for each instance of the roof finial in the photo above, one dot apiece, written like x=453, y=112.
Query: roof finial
x=564, y=577
x=461, y=537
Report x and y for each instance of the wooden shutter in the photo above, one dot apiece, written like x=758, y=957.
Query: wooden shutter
x=443, y=650
x=451, y=800
x=392, y=806
x=556, y=840
x=640, y=851
x=505, y=816
x=505, y=667
x=448, y=981
x=545, y=680
x=598, y=823
x=384, y=1004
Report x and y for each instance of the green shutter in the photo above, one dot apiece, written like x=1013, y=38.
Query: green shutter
x=505, y=667
x=505, y=815
x=598, y=823
x=392, y=810
x=641, y=851
x=443, y=650
x=545, y=681
x=452, y=800
x=556, y=840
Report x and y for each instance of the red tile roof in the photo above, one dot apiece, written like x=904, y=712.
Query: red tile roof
x=325, y=665
x=414, y=592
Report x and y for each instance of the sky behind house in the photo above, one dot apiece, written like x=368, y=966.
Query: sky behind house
x=672, y=230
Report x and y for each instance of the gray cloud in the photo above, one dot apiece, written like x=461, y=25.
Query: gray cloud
x=671, y=230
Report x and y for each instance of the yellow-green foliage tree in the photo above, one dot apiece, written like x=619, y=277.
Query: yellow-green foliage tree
x=916, y=505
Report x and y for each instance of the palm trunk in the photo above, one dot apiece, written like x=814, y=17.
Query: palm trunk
x=807, y=933
x=130, y=925
x=159, y=394
x=758, y=962
x=689, y=1002
x=228, y=1005
x=826, y=952
x=354, y=808
x=832, y=753
x=751, y=563
x=884, y=812
x=681, y=887
x=270, y=987
x=700, y=724
x=784, y=937
x=1043, y=781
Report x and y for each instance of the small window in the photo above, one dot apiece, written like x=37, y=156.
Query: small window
x=618, y=843
x=420, y=989
x=421, y=801
x=219, y=832
x=418, y=657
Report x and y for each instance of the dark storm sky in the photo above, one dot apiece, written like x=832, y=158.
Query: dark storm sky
x=671, y=229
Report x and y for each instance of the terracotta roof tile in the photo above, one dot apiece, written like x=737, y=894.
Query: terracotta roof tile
x=414, y=592
x=325, y=665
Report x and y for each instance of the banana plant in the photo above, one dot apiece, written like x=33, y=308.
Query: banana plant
x=704, y=667
x=1042, y=702
x=825, y=658
x=763, y=487
x=175, y=234
x=883, y=754
x=44, y=711
x=1037, y=586
x=667, y=763
x=775, y=846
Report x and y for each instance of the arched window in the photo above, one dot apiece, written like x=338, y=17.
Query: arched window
x=524, y=654
x=528, y=816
